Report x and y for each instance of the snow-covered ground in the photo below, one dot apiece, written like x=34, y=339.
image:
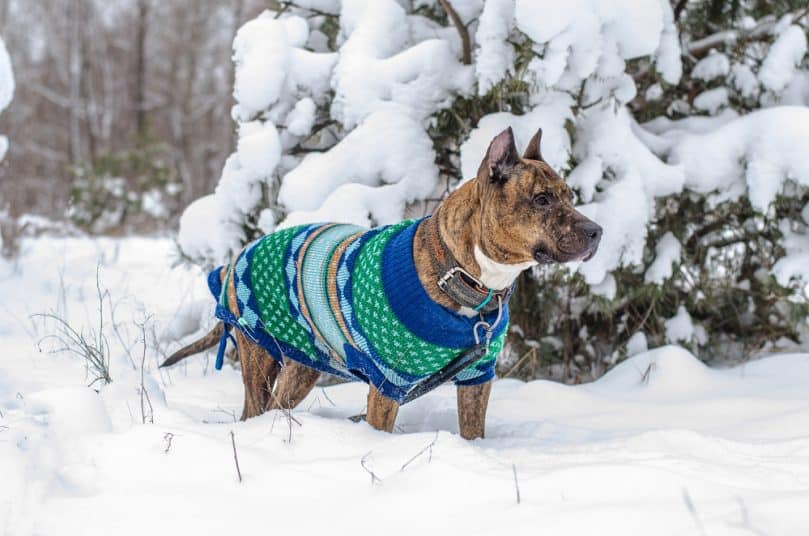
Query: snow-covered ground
x=660, y=445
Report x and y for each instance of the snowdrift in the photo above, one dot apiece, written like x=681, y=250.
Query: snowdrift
x=661, y=444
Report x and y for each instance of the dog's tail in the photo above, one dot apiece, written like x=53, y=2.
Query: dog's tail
x=207, y=341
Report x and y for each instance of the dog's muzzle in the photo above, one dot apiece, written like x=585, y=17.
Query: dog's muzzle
x=579, y=245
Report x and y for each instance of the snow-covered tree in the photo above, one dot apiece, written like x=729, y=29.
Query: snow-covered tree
x=691, y=156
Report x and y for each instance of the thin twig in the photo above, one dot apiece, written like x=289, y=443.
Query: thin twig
x=229, y=412
x=760, y=32
x=167, y=437
x=285, y=410
x=327, y=396
x=516, y=482
x=644, y=379
x=422, y=451
x=693, y=511
x=235, y=456
x=144, y=394
x=462, y=31
x=520, y=361
x=374, y=479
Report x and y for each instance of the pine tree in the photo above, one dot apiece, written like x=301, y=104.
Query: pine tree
x=369, y=112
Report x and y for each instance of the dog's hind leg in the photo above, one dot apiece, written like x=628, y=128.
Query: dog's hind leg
x=294, y=383
x=472, y=403
x=382, y=410
x=259, y=372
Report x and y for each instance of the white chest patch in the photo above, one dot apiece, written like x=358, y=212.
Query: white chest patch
x=496, y=275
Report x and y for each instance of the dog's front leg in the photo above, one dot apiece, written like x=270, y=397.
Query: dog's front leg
x=381, y=410
x=472, y=403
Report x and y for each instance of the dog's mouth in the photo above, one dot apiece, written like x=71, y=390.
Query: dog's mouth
x=543, y=256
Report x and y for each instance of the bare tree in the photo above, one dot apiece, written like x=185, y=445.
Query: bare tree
x=96, y=78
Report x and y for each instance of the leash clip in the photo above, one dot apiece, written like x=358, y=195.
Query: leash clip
x=488, y=328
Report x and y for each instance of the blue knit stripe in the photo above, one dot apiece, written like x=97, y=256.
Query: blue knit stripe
x=215, y=282
x=366, y=369
x=410, y=302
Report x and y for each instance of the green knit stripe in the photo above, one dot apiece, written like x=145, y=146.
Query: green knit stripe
x=267, y=279
x=398, y=347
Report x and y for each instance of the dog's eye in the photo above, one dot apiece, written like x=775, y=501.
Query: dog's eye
x=541, y=200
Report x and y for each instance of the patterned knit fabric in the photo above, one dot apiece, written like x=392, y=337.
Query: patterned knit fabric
x=348, y=301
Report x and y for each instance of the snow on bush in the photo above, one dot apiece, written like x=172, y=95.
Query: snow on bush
x=361, y=180
x=784, y=56
x=667, y=254
x=277, y=83
x=752, y=155
x=710, y=67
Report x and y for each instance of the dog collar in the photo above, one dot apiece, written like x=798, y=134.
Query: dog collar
x=461, y=286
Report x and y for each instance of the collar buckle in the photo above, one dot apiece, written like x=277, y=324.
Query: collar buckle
x=444, y=280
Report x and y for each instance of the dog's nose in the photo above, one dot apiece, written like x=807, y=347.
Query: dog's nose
x=591, y=230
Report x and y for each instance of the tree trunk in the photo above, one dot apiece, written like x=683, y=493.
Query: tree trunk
x=140, y=71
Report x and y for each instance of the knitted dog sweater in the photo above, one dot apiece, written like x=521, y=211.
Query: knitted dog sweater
x=347, y=300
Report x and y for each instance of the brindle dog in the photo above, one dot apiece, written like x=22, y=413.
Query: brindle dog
x=515, y=214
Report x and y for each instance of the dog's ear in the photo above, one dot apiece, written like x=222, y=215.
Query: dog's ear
x=532, y=152
x=501, y=157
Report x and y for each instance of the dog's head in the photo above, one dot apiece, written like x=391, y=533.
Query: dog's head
x=527, y=212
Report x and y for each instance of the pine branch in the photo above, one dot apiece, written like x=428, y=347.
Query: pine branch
x=462, y=31
x=760, y=32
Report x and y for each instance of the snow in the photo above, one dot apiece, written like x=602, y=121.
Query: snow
x=668, y=61
x=712, y=66
x=785, y=54
x=711, y=100
x=206, y=233
x=584, y=37
x=549, y=114
x=653, y=93
x=621, y=171
x=494, y=56
x=744, y=80
x=660, y=441
x=607, y=140
x=382, y=164
x=667, y=254
x=680, y=327
x=795, y=263
x=757, y=152
x=261, y=64
x=637, y=344
x=302, y=117
x=259, y=148
x=635, y=25
x=375, y=71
